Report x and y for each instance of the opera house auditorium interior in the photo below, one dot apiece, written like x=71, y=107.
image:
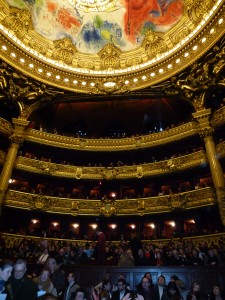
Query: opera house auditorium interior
x=112, y=121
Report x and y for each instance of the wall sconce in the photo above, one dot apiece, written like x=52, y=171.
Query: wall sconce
x=172, y=224
x=113, y=226
x=152, y=225
x=55, y=224
x=132, y=226
x=75, y=225
x=34, y=221
x=94, y=226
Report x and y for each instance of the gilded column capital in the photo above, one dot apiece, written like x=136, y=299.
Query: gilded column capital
x=16, y=139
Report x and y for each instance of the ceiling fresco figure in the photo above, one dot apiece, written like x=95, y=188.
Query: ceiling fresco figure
x=154, y=15
x=123, y=23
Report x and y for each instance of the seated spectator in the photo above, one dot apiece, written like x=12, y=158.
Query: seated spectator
x=211, y=259
x=216, y=293
x=44, y=283
x=126, y=259
x=195, y=259
x=43, y=257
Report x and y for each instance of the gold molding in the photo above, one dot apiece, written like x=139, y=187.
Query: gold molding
x=123, y=144
x=14, y=239
x=153, y=205
x=192, y=40
x=180, y=163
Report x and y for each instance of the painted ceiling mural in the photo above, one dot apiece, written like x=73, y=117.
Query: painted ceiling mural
x=92, y=24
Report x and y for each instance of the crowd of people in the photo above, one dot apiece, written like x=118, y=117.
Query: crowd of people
x=51, y=283
x=133, y=252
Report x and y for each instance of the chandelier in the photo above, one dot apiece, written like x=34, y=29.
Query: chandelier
x=94, y=5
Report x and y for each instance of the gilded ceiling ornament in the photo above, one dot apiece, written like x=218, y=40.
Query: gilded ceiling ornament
x=109, y=57
x=19, y=21
x=154, y=44
x=110, y=85
x=64, y=50
x=197, y=9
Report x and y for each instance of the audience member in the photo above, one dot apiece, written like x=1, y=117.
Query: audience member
x=20, y=287
x=6, y=267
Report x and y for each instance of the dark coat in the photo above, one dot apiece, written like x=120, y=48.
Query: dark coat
x=155, y=292
x=21, y=289
x=116, y=294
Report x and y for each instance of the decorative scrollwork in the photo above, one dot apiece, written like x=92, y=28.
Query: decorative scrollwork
x=64, y=51
x=19, y=21
x=110, y=57
x=108, y=207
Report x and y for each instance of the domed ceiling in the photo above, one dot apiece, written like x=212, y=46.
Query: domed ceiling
x=107, y=46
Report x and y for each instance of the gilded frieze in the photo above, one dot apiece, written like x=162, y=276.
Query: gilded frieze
x=151, y=169
x=140, y=206
x=145, y=141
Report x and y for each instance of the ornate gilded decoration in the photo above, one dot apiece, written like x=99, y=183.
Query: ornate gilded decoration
x=64, y=50
x=107, y=207
x=109, y=57
x=146, y=141
x=149, y=169
x=154, y=44
x=197, y=9
x=197, y=198
x=5, y=127
x=178, y=201
x=174, y=50
x=19, y=21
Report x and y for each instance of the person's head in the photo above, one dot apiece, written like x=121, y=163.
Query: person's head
x=216, y=290
x=6, y=267
x=79, y=294
x=161, y=280
x=174, y=278
x=107, y=285
x=196, y=287
x=121, y=284
x=71, y=277
x=44, y=276
x=51, y=264
x=145, y=283
x=172, y=288
x=104, y=295
x=20, y=268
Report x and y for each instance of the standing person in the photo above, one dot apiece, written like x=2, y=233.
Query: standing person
x=195, y=292
x=56, y=275
x=6, y=267
x=216, y=293
x=122, y=290
x=160, y=288
x=100, y=248
x=20, y=287
x=71, y=287
x=172, y=292
x=146, y=291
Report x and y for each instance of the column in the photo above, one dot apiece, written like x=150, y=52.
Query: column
x=205, y=131
x=16, y=140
